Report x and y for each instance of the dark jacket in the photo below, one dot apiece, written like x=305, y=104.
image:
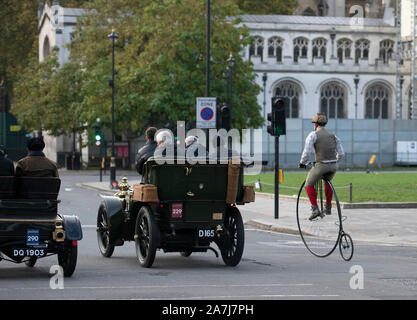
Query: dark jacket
x=144, y=154
x=6, y=166
x=36, y=165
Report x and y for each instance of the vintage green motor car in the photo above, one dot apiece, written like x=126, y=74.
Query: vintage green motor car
x=30, y=225
x=189, y=213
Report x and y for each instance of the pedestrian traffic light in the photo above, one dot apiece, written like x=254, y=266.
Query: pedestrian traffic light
x=277, y=117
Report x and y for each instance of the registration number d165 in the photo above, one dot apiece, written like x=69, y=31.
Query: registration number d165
x=28, y=252
x=206, y=233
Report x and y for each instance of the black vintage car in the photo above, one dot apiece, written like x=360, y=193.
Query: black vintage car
x=190, y=209
x=30, y=225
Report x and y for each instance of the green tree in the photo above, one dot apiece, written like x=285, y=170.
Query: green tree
x=160, y=58
x=267, y=6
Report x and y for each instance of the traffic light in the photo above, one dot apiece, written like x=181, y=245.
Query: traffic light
x=277, y=117
x=224, y=117
x=98, y=136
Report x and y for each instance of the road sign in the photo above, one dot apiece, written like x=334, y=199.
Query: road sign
x=206, y=112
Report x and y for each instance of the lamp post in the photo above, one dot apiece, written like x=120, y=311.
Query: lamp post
x=356, y=80
x=113, y=183
x=264, y=78
x=4, y=136
x=401, y=96
x=208, y=51
x=230, y=63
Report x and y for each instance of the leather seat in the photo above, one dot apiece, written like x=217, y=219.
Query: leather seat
x=37, y=188
x=7, y=188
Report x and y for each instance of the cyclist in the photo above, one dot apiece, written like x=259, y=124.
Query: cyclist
x=328, y=151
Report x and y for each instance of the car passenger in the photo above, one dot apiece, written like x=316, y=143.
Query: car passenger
x=147, y=150
x=36, y=164
x=6, y=165
x=192, y=143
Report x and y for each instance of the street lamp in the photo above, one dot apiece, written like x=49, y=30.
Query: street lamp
x=401, y=96
x=356, y=80
x=4, y=140
x=264, y=78
x=113, y=183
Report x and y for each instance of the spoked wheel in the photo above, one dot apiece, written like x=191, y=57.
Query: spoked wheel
x=346, y=247
x=67, y=258
x=147, y=237
x=232, y=242
x=31, y=261
x=320, y=235
x=103, y=234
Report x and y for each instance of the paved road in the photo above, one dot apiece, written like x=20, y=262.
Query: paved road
x=274, y=266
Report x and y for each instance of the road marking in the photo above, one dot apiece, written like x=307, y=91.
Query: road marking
x=245, y=297
x=296, y=244
x=175, y=286
x=87, y=226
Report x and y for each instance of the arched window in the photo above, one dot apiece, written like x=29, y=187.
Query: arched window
x=257, y=49
x=300, y=48
x=275, y=48
x=291, y=92
x=386, y=48
x=332, y=100
x=343, y=49
x=46, y=48
x=309, y=12
x=361, y=50
x=377, y=102
x=319, y=48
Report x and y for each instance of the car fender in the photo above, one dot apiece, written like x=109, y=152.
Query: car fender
x=114, y=211
x=72, y=227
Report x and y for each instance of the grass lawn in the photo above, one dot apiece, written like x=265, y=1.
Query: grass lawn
x=367, y=187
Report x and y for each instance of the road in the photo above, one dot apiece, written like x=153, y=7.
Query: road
x=274, y=266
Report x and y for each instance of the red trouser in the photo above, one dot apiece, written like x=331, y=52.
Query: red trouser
x=312, y=194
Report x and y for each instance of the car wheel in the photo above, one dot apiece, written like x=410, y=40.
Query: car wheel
x=147, y=237
x=231, y=243
x=103, y=234
x=67, y=258
x=186, y=254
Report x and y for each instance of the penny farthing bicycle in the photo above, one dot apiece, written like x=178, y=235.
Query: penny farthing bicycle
x=323, y=234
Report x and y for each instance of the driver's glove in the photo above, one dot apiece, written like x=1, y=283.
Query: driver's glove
x=301, y=165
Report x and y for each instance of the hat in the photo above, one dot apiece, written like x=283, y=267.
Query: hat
x=190, y=140
x=35, y=144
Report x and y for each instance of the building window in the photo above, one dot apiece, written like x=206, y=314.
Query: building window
x=275, y=48
x=257, y=49
x=343, y=49
x=319, y=48
x=291, y=93
x=386, y=48
x=361, y=50
x=377, y=102
x=332, y=100
x=46, y=48
x=300, y=48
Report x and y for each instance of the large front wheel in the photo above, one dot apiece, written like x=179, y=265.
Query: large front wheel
x=147, y=237
x=232, y=242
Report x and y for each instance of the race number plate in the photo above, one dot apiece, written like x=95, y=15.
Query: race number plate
x=177, y=210
x=206, y=233
x=32, y=237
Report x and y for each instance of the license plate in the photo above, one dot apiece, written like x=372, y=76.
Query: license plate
x=177, y=210
x=32, y=237
x=206, y=233
x=29, y=252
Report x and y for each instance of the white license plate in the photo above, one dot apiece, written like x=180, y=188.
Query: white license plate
x=29, y=252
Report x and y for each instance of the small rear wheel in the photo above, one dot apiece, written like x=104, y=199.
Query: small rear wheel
x=346, y=247
x=67, y=258
x=147, y=237
x=31, y=262
x=232, y=242
x=103, y=234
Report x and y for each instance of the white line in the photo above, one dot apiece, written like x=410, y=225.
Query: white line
x=92, y=226
x=178, y=286
x=246, y=297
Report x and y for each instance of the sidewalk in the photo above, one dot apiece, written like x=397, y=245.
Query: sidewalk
x=384, y=226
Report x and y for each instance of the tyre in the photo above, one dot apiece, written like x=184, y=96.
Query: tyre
x=31, y=261
x=147, y=237
x=103, y=233
x=346, y=247
x=231, y=244
x=67, y=258
x=320, y=235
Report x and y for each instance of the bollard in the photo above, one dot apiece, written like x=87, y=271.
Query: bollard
x=350, y=192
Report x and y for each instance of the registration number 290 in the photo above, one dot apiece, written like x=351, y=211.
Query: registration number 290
x=28, y=252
